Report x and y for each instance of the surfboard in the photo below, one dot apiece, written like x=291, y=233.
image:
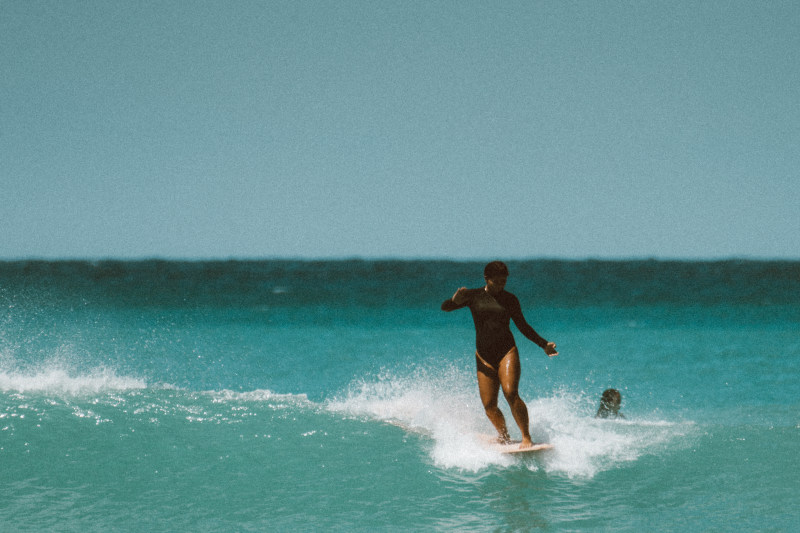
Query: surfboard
x=513, y=446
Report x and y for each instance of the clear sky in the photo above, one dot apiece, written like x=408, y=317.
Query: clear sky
x=404, y=129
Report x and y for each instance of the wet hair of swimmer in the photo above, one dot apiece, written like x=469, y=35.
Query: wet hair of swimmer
x=495, y=269
x=609, y=403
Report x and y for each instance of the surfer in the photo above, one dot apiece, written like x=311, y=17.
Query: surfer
x=610, y=402
x=496, y=355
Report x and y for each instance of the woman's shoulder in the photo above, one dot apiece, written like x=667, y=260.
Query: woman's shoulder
x=508, y=299
x=508, y=295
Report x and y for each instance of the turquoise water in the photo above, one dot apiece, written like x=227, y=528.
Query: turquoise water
x=335, y=396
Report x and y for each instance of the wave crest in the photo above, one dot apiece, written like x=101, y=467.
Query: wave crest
x=56, y=378
x=441, y=405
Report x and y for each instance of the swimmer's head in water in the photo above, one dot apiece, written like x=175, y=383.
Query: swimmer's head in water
x=611, y=399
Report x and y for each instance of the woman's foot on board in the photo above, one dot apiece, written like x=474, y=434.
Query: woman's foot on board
x=526, y=443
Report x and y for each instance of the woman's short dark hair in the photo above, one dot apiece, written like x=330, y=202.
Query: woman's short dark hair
x=495, y=269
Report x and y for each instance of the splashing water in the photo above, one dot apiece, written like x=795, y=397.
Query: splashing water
x=442, y=406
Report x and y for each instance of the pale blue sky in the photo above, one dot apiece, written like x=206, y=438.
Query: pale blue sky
x=313, y=129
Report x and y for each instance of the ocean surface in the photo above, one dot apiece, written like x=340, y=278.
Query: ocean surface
x=335, y=396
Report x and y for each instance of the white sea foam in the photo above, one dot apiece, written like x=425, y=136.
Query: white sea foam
x=443, y=407
x=59, y=378
x=272, y=399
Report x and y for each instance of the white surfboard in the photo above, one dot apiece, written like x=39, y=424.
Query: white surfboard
x=513, y=446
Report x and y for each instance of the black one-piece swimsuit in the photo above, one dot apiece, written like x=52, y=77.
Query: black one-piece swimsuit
x=491, y=315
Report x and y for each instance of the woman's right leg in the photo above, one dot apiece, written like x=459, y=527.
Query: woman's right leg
x=489, y=388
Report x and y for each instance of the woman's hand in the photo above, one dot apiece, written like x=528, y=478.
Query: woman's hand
x=460, y=296
x=550, y=349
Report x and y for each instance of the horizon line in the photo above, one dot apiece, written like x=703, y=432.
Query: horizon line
x=377, y=258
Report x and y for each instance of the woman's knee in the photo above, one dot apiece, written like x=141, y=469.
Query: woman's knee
x=509, y=384
x=511, y=396
x=489, y=404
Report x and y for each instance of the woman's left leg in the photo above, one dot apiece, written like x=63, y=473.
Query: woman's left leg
x=509, y=371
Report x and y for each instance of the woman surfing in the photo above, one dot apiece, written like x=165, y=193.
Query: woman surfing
x=496, y=355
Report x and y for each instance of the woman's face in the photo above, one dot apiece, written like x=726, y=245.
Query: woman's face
x=496, y=284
